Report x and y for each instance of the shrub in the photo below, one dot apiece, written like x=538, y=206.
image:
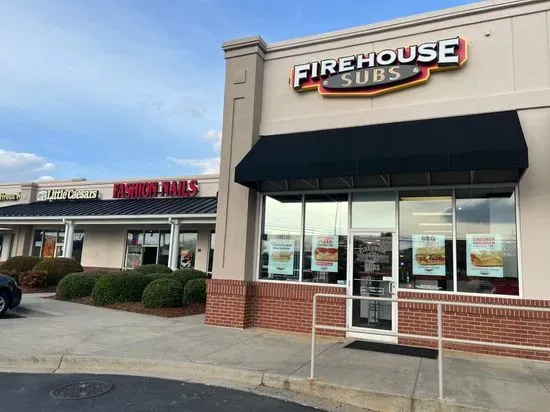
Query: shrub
x=155, y=276
x=163, y=293
x=146, y=269
x=185, y=275
x=195, y=291
x=77, y=285
x=119, y=287
x=33, y=279
x=57, y=268
x=20, y=263
x=14, y=274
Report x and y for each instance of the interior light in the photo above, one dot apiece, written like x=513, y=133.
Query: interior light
x=434, y=224
x=415, y=198
x=438, y=231
x=432, y=213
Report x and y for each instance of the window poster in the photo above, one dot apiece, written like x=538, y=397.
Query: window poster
x=325, y=254
x=48, y=248
x=484, y=255
x=429, y=255
x=281, y=257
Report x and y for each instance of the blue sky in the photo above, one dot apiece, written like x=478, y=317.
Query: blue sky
x=107, y=89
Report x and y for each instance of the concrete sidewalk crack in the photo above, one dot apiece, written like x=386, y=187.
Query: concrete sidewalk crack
x=233, y=345
x=536, y=376
x=417, y=375
x=316, y=355
x=60, y=362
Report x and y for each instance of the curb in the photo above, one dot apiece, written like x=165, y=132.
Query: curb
x=347, y=398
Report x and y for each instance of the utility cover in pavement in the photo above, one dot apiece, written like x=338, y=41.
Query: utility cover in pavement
x=81, y=390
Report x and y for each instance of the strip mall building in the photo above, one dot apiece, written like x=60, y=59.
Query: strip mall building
x=408, y=158
x=112, y=225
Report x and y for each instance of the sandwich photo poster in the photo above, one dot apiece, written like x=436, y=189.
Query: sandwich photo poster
x=325, y=254
x=281, y=257
x=484, y=255
x=428, y=255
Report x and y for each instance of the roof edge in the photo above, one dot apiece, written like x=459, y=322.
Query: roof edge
x=399, y=23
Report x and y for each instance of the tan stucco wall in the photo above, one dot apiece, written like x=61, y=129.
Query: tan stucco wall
x=104, y=246
x=508, y=68
x=534, y=198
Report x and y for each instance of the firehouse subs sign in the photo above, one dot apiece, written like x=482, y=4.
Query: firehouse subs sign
x=373, y=73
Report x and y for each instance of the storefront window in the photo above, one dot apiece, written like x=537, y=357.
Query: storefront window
x=325, y=239
x=375, y=210
x=188, y=247
x=164, y=250
x=461, y=240
x=49, y=244
x=426, y=240
x=487, y=259
x=281, y=232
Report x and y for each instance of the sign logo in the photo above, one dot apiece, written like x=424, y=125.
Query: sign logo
x=373, y=73
x=182, y=188
x=6, y=197
x=67, y=194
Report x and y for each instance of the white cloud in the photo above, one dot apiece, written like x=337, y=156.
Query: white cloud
x=17, y=166
x=215, y=136
x=45, y=178
x=202, y=166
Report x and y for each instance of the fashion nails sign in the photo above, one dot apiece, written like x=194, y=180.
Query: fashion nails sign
x=373, y=73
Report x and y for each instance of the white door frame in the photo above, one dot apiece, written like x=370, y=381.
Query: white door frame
x=363, y=333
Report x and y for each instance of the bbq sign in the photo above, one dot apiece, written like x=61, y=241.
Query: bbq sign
x=373, y=73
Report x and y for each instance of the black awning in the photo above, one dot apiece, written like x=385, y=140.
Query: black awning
x=482, y=142
x=113, y=207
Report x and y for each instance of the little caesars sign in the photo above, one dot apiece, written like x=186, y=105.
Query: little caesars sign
x=373, y=73
x=67, y=194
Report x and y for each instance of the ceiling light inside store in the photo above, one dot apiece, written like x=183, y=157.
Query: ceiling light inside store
x=434, y=224
x=438, y=231
x=408, y=198
x=431, y=214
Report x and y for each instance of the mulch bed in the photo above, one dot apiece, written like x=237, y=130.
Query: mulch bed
x=137, y=307
x=47, y=289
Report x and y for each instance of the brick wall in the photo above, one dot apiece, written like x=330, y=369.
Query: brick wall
x=521, y=327
x=281, y=306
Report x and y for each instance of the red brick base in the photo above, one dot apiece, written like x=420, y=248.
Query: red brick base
x=518, y=327
x=282, y=306
x=288, y=307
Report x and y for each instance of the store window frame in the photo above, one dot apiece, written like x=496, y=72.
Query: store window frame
x=58, y=244
x=396, y=190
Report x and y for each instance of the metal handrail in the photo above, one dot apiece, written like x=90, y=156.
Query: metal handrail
x=439, y=338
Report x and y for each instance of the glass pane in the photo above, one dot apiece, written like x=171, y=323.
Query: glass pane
x=188, y=247
x=426, y=240
x=61, y=236
x=280, y=249
x=133, y=256
x=372, y=276
x=211, y=254
x=135, y=237
x=486, y=241
x=152, y=238
x=49, y=244
x=373, y=210
x=325, y=239
x=78, y=242
x=36, y=244
x=165, y=238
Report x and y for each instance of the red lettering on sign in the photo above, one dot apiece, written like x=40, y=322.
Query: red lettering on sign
x=183, y=188
x=193, y=188
x=174, y=188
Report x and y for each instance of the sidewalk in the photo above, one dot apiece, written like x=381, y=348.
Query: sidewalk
x=66, y=337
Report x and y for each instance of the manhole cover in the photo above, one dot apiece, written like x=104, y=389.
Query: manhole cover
x=81, y=390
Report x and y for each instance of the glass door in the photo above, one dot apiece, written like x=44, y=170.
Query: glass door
x=372, y=273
